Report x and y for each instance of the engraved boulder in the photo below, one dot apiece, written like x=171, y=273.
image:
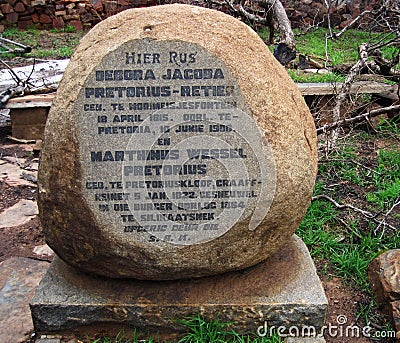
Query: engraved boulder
x=176, y=147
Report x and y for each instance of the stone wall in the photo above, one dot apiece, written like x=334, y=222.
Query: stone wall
x=45, y=14
x=305, y=13
x=83, y=14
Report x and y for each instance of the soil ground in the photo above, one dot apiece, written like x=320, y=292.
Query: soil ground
x=20, y=240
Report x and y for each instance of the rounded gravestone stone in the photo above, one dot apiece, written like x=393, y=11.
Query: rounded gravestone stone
x=176, y=147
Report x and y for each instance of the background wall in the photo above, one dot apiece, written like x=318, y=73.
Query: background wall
x=83, y=14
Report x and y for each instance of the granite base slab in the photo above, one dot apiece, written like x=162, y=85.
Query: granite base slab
x=282, y=291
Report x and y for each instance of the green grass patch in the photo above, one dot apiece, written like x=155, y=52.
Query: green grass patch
x=199, y=331
x=349, y=252
x=386, y=196
x=345, y=240
x=341, y=50
x=389, y=127
x=202, y=331
x=302, y=77
x=357, y=252
x=340, y=164
x=316, y=232
x=51, y=44
x=66, y=29
x=386, y=179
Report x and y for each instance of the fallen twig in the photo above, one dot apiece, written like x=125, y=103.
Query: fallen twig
x=350, y=161
x=350, y=25
x=366, y=214
x=20, y=47
x=359, y=118
x=383, y=221
x=354, y=71
x=21, y=87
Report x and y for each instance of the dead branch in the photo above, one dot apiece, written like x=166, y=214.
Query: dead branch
x=358, y=119
x=22, y=86
x=383, y=221
x=350, y=25
x=12, y=73
x=368, y=215
x=89, y=3
x=20, y=48
x=253, y=17
x=307, y=60
x=11, y=93
x=285, y=50
x=354, y=71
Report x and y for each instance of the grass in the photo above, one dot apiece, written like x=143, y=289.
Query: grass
x=120, y=338
x=343, y=50
x=199, y=331
x=218, y=332
x=301, y=77
x=345, y=240
x=387, y=179
x=45, y=44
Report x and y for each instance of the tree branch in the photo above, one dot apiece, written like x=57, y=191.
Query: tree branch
x=359, y=118
x=366, y=214
x=350, y=25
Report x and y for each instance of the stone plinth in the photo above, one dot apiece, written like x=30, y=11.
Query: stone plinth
x=284, y=290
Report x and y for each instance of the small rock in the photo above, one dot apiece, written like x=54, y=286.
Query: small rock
x=38, y=3
x=11, y=174
x=77, y=24
x=45, y=19
x=38, y=145
x=14, y=160
x=60, y=13
x=43, y=250
x=35, y=18
x=19, y=7
x=29, y=177
x=48, y=339
x=6, y=8
x=19, y=214
x=12, y=17
x=384, y=276
x=58, y=23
